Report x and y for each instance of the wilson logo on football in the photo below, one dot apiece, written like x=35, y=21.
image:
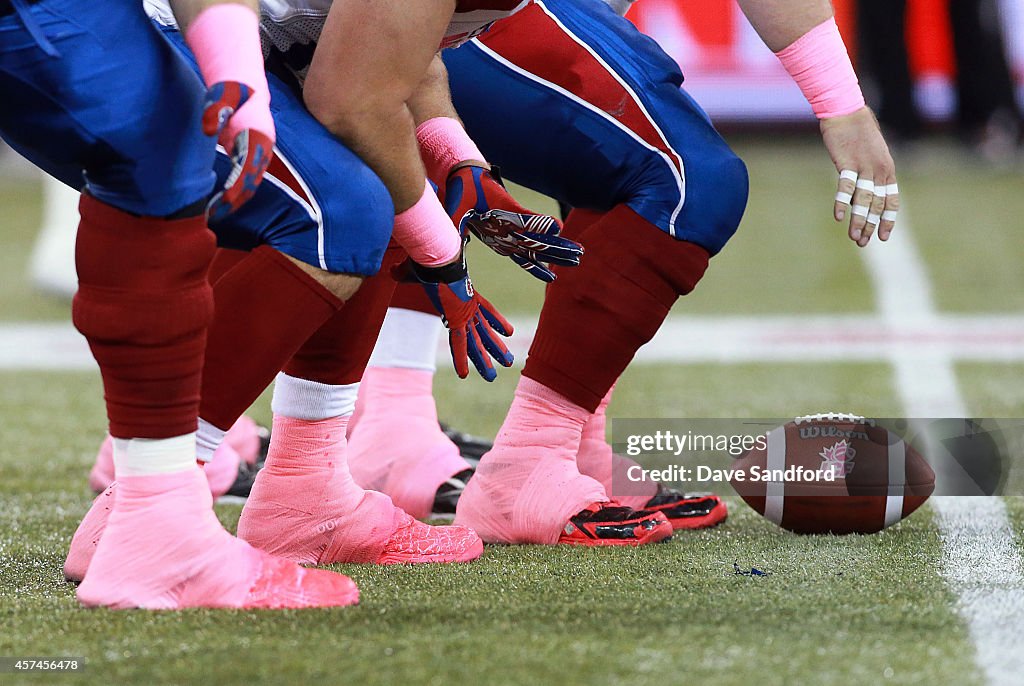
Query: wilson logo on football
x=838, y=460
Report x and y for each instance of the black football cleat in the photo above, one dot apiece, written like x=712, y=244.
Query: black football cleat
x=688, y=510
x=448, y=495
x=609, y=524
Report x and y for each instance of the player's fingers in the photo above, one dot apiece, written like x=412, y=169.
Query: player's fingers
x=874, y=213
x=457, y=343
x=494, y=318
x=554, y=249
x=862, y=197
x=844, y=193
x=891, y=210
x=492, y=343
x=252, y=154
x=541, y=224
x=535, y=269
x=482, y=362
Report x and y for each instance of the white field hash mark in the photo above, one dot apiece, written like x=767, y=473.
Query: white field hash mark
x=981, y=560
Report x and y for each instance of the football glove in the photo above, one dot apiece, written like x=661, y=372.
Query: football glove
x=473, y=323
x=250, y=149
x=476, y=200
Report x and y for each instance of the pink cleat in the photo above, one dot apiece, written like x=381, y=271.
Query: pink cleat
x=306, y=507
x=528, y=488
x=396, y=445
x=414, y=542
x=164, y=549
x=87, y=536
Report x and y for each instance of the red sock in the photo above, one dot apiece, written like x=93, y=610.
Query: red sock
x=224, y=260
x=338, y=351
x=597, y=315
x=143, y=303
x=266, y=308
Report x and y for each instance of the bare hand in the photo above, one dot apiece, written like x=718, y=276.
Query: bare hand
x=867, y=175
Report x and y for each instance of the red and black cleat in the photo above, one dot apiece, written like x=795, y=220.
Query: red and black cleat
x=606, y=524
x=688, y=510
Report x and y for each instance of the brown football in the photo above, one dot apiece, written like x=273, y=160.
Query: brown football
x=845, y=475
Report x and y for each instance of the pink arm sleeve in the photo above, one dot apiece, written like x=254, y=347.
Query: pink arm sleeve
x=426, y=232
x=443, y=144
x=820, y=65
x=225, y=38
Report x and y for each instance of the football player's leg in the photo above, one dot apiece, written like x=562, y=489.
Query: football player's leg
x=143, y=302
x=305, y=504
x=396, y=445
x=610, y=153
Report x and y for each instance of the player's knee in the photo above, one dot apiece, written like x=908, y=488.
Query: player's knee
x=716, y=198
x=735, y=190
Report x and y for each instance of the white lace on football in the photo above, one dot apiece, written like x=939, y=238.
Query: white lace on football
x=835, y=417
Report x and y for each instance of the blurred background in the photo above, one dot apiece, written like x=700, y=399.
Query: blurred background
x=926, y=65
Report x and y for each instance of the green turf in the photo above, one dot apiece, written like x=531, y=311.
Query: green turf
x=846, y=610
x=833, y=610
x=967, y=222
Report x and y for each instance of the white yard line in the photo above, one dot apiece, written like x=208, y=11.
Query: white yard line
x=981, y=560
x=684, y=339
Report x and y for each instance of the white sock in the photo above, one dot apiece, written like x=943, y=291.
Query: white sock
x=408, y=339
x=310, y=400
x=208, y=439
x=145, y=456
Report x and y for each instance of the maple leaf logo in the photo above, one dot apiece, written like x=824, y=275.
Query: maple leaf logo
x=838, y=459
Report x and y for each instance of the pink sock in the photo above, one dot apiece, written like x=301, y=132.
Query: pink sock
x=596, y=460
x=528, y=486
x=398, y=447
x=163, y=548
x=221, y=471
x=244, y=437
x=305, y=505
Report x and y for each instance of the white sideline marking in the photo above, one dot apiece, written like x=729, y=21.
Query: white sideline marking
x=981, y=561
x=684, y=339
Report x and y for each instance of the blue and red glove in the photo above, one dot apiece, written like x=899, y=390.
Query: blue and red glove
x=251, y=149
x=473, y=323
x=476, y=200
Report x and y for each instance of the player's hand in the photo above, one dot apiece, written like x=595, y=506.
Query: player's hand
x=473, y=323
x=477, y=201
x=249, y=139
x=867, y=175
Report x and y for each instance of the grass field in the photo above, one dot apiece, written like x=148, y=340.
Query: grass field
x=833, y=610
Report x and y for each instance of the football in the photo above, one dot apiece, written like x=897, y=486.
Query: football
x=833, y=473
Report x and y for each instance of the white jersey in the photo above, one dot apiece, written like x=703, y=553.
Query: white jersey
x=287, y=23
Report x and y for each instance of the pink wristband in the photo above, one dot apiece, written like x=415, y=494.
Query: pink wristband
x=820, y=65
x=225, y=39
x=426, y=232
x=443, y=144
